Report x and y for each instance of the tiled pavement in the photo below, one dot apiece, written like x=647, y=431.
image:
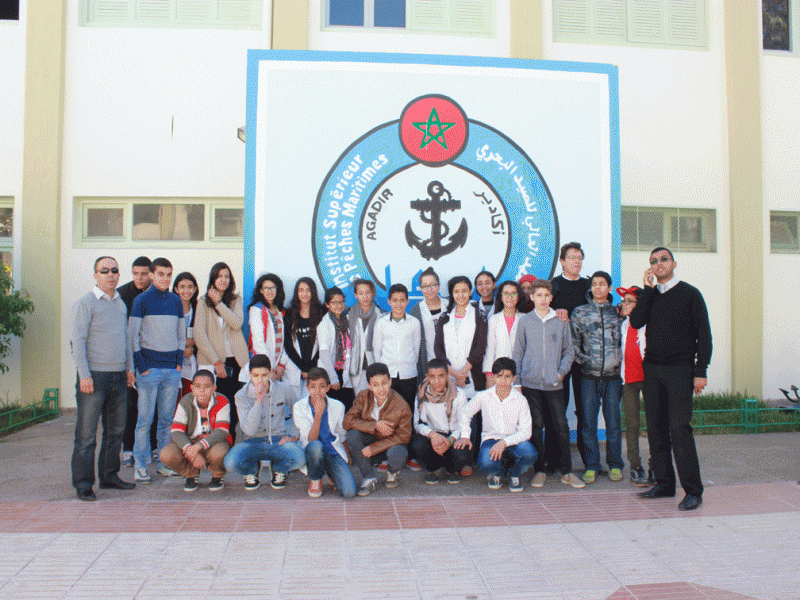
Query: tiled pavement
x=418, y=541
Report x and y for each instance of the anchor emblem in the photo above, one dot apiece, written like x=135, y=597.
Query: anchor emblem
x=439, y=201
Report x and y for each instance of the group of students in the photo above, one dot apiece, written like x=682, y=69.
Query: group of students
x=317, y=386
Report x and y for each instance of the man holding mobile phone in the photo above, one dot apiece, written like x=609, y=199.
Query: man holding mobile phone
x=677, y=355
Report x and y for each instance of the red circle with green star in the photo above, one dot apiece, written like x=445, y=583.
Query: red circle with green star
x=433, y=129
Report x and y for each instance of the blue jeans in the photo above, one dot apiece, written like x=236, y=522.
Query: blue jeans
x=320, y=462
x=609, y=392
x=107, y=402
x=520, y=458
x=246, y=456
x=158, y=391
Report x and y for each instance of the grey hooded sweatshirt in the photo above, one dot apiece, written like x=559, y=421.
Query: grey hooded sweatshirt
x=543, y=351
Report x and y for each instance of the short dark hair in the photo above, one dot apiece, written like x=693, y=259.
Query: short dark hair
x=204, y=373
x=602, y=274
x=367, y=282
x=659, y=249
x=160, y=262
x=377, y=369
x=543, y=284
x=315, y=373
x=260, y=361
x=570, y=246
x=103, y=258
x=504, y=364
x=398, y=287
x=142, y=261
x=437, y=363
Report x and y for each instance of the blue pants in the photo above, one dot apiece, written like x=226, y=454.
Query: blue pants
x=519, y=458
x=246, y=456
x=158, y=393
x=320, y=462
x=609, y=392
x=106, y=403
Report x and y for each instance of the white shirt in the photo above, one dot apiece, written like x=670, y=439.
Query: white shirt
x=508, y=420
x=433, y=416
x=98, y=293
x=665, y=287
x=396, y=344
x=499, y=340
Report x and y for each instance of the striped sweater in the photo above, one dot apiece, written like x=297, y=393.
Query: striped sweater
x=157, y=330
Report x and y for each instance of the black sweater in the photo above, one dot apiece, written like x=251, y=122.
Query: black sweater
x=568, y=293
x=678, y=331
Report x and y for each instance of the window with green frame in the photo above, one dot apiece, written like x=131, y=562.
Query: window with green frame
x=175, y=222
x=680, y=229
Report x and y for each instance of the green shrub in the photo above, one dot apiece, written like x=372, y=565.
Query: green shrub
x=13, y=305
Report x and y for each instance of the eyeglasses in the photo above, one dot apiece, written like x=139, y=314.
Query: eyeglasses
x=269, y=288
x=663, y=259
x=430, y=286
x=574, y=257
x=106, y=270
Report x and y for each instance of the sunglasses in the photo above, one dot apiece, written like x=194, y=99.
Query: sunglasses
x=663, y=259
x=106, y=270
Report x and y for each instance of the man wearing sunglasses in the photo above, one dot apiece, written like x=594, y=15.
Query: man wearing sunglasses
x=677, y=354
x=105, y=367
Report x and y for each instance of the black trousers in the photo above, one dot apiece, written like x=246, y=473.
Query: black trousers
x=453, y=460
x=551, y=445
x=344, y=395
x=668, y=403
x=540, y=401
x=407, y=388
x=228, y=386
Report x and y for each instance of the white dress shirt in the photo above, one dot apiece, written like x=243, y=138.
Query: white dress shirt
x=508, y=420
x=396, y=344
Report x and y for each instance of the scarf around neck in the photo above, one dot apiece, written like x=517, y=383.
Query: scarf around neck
x=357, y=341
x=341, y=328
x=426, y=394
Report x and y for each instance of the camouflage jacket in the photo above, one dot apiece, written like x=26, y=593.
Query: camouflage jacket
x=597, y=338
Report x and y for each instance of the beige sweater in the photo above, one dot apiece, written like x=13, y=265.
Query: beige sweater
x=208, y=333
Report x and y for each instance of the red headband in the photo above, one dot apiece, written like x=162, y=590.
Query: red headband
x=633, y=291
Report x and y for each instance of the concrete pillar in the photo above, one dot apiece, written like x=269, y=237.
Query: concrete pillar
x=41, y=196
x=289, y=25
x=743, y=88
x=526, y=29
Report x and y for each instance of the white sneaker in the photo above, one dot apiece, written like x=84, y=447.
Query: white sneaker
x=514, y=484
x=165, y=471
x=573, y=480
x=392, y=479
x=141, y=476
x=539, y=479
x=493, y=481
x=368, y=486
